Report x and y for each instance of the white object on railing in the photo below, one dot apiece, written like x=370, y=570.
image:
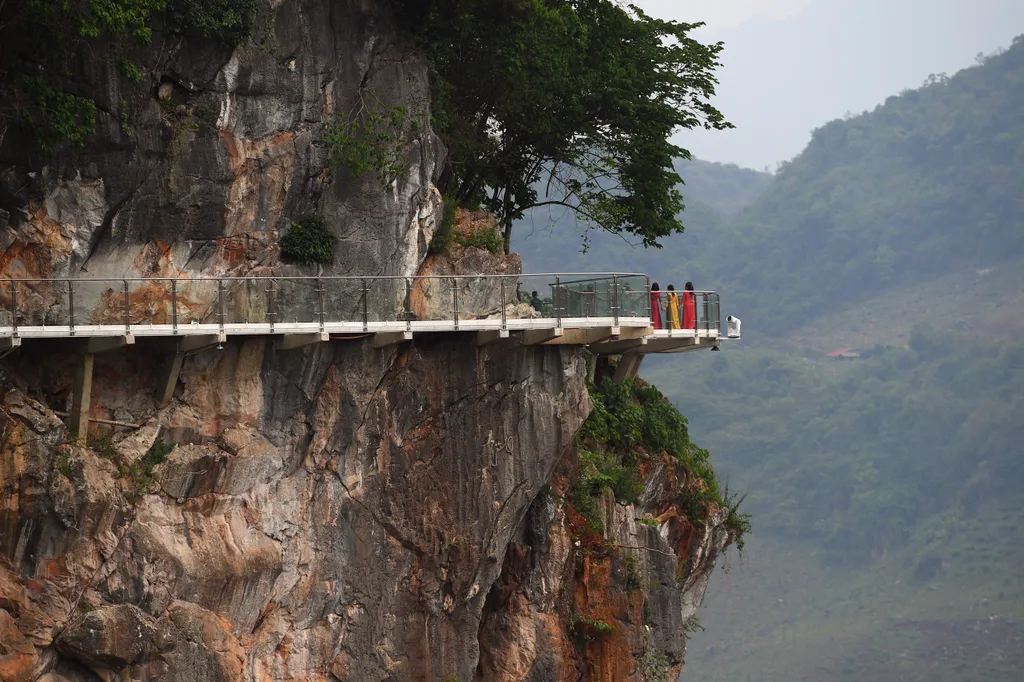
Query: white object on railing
x=734, y=327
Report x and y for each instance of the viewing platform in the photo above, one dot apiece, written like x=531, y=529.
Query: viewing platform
x=609, y=313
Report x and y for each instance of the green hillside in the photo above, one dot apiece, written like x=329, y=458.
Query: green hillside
x=928, y=183
x=885, y=491
x=887, y=509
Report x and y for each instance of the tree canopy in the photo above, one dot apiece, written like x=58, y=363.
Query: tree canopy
x=566, y=102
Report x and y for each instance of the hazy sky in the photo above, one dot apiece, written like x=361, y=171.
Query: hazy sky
x=792, y=65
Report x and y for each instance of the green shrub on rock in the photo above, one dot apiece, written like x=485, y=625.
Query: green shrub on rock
x=308, y=242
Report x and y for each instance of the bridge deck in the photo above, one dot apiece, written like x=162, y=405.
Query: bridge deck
x=609, y=312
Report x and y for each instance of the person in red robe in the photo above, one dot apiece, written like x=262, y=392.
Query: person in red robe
x=656, y=306
x=689, y=307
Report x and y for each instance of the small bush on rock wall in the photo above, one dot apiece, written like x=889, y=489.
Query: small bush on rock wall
x=308, y=242
x=483, y=239
x=373, y=138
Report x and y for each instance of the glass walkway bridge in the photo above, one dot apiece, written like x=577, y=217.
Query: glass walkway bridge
x=610, y=313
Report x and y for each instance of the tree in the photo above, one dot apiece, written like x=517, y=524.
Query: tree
x=568, y=103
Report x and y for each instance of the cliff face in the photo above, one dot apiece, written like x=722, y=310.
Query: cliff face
x=344, y=511
x=337, y=512
x=196, y=168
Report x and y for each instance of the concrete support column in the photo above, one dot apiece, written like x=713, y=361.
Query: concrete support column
x=629, y=366
x=80, y=397
x=169, y=379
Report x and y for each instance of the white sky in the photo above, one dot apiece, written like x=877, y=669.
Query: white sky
x=793, y=65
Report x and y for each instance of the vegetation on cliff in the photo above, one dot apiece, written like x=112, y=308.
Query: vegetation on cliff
x=565, y=103
x=40, y=41
x=630, y=425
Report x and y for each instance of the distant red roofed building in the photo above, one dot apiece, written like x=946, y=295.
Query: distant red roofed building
x=844, y=354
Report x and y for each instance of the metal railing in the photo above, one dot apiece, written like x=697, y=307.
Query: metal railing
x=701, y=314
x=275, y=304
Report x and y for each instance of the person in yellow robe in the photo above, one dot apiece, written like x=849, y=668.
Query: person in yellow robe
x=673, y=308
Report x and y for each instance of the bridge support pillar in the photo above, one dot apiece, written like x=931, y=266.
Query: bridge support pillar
x=102, y=344
x=629, y=367
x=169, y=379
x=385, y=339
x=8, y=344
x=486, y=337
x=533, y=337
x=80, y=398
x=583, y=337
x=291, y=341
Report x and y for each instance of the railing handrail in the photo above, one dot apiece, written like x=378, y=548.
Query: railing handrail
x=596, y=276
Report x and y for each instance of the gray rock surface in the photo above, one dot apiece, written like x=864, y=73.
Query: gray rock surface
x=206, y=186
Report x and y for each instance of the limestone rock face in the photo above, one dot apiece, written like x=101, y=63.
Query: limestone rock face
x=108, y=638
x=342, y=511
x=198, y=168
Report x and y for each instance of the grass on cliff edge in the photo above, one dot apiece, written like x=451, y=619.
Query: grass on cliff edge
x=630, y=419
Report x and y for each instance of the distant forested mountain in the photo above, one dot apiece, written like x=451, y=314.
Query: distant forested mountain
x=886, y=490
x=551, y=240
x=930, y=182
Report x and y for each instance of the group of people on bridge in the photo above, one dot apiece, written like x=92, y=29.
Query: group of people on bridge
x=669, y=310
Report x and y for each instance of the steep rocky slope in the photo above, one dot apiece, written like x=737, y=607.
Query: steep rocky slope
x=338, y=512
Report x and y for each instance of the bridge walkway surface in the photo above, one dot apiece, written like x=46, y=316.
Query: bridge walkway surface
x=610, y=313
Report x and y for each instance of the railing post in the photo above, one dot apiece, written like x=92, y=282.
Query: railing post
x=615, y=299
x=504, y=320
x=14, y=307
x=558, y=301
x=271, y=312
x=707, y=315
x=320, y=301
x=220, y=303
x=71, y=305
x=174, y=306
x=127, y=309
x=408, y=304
x=366, y=309
x=650, y=303
x=455, y=301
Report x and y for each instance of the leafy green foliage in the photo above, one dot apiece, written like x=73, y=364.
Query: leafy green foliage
x=370, y=139
x=62, y=462
x=656, y=665
x=591, y=626
x=308, y=242
x=630, y=418
x=483, y=239
x=102, y=443
x=230, y=21
x=140, y=472
x=857, y=457
x=55, y=115
x=578, y=96
x=41, y=40
x=632, y=572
